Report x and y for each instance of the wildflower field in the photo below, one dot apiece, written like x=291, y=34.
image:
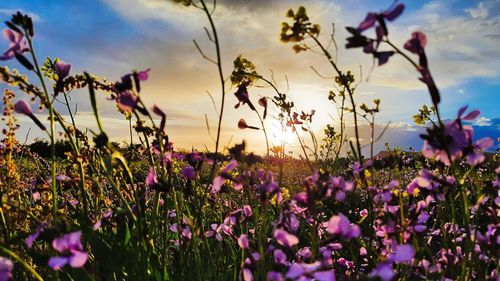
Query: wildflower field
x=77, y=205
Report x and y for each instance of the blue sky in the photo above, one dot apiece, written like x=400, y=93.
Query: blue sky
x=113, y=37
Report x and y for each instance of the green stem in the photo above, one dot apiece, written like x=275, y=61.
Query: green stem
x=50, y=107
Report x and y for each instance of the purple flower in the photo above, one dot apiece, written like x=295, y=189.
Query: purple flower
x=242, y=124
x=142, y=75
x=127, y=101
x=284, y=238
x=219, y=180
x=156, y=110
x=247, y=211
x=274, y=276
x=16, y=46
x=243, y=241
x=328, y=275
x=6, y=267
x=402, y=253
x=454, y=141
x=417, y=42
x=279, y=256
x=62, y=177
x=214, y=231
x=340, y=225
x=23, y=107
x=384, y=271
x=151, y=179
x=39, y=229
x=298, y=271
x=62, y=69
x=390, y=14
x=263, y=103
x=71, y=247
x=188, y=173
x=242, y=96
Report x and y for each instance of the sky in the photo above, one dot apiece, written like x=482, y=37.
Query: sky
x=113, y=37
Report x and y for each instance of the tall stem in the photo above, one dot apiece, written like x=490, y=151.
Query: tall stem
x=221, y=78
x=349, y=90
x=52, y=128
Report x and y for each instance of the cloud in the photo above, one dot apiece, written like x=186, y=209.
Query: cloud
x=483, y=121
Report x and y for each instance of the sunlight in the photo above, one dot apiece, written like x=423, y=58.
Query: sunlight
x=278, y=136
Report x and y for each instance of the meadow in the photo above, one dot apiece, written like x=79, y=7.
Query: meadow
x=79, y=206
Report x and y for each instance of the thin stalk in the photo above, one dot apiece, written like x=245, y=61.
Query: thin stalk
x=52, y=128
x=349, y=91
x=221, y=78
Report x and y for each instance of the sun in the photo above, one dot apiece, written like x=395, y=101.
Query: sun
x=279, y=135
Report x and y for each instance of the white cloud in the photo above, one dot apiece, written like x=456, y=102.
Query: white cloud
x=483, y=121
x=479, y=12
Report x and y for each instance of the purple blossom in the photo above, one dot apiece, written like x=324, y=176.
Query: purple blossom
x=279, y=256
x=242, y=124
x=71, y=247
x=456, y=142
x=417, y=42
x=274, y=276
x=188, y=173
x=340, y=225
x=225, y=174
x=62, y=69
x=304, y=271
x=214, y=231
x=243, y=242
x=39, y=229
x=402, y=253
x=384, y=271
x=247, y=211
x=284, y=238
x=17, y=44
x=6, y=267
x=390, y=14
x=242, y=96
x=156, y=110
x=23, y=107
x=151, y=179
x=127, y=101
